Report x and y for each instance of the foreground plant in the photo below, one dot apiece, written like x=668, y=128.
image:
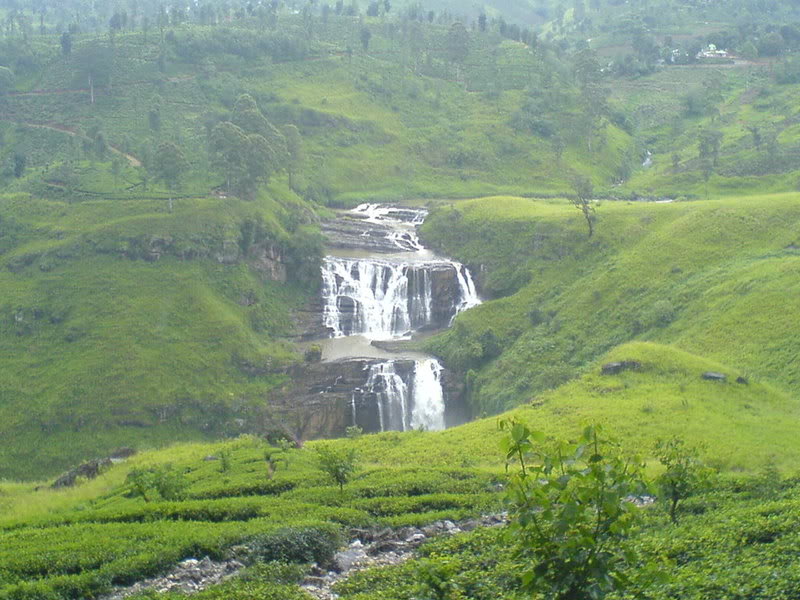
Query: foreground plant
x=571, y=512
x=684, y=473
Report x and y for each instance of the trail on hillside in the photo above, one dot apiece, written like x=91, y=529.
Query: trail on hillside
x=132, y=160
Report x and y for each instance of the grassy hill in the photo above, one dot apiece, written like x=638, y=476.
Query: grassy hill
x=138, y=311
x=709, y=277
x=125, y=323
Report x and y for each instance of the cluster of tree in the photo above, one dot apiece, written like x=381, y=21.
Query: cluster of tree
x=195, y=45
x=247, y=149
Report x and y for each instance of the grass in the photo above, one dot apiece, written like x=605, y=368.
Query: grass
x=107, y=344
x=706, y=277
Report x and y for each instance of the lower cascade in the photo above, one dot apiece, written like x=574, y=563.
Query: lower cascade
x=384, y=299
x=395, y=399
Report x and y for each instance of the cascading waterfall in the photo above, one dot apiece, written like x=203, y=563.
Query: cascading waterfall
x=384, y=299
x=402, y=404
x=377, y=299
x=392, y=395
x=428, y=402
x=390, y=298
x=469, y=295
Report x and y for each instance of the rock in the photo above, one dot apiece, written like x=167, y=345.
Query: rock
x=324, y=394
x=386, y=546
x=416, y=538
x=188, y=576
x=346, y=559
x=742, y=380
x=613, y=368
x=122, y=453
x=210, y=457
x=88, y=470
x=267, y=260
x=714, y=376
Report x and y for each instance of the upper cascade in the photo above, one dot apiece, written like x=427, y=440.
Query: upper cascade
x=386, y=299
x=390, y=298
x=377, y=228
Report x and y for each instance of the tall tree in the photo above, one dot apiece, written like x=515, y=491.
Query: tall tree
x=6, y=80
x=457, y=46
x=66, y=43
x=294, y=147
x=582, y=200
x=366, y=36
x=170, y=164
x=94, y=64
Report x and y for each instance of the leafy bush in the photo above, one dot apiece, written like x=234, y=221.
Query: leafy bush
x=297, y=544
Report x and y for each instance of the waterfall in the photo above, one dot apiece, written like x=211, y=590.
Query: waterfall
x=380, y=213
x=391, y=396
x=401, y=401
x=375, y=298
x=384, y=297
x=428, y=401
x=469, y=295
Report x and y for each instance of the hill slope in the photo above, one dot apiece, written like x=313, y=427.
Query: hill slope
x=712, y=278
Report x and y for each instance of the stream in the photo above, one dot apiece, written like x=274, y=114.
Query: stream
x=379, y=285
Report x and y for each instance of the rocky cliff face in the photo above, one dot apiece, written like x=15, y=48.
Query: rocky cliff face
x=446, y=294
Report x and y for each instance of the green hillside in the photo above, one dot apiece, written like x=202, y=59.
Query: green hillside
x=711, y=278
x=165, y=174
x=99, y=533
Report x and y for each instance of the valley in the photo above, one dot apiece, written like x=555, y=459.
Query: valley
x=399, y=301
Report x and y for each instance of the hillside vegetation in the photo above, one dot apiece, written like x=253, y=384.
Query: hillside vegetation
x=711, y=278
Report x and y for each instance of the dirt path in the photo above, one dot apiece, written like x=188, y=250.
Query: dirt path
x=132, y=160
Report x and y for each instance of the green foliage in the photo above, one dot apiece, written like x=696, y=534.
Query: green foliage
x=170, y=164
x=353, y=431
x=684, y=473
x=297, y=544
x=654, y=272
x=339, y=464
x=571, y=512
x=168, y=483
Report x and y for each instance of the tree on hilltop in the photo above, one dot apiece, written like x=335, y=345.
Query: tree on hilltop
x=247, y=149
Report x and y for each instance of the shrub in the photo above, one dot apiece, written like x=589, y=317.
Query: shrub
x=297, y=544
x=338, y=464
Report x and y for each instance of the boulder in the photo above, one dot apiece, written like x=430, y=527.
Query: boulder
x=88, y=470
x=714, y=376
x=613, y=368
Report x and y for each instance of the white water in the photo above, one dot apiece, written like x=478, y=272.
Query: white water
x=382, y=299
x=402, y=405
x=386, y=299
x=390, y=298
x=403, y=220
x=428, y=402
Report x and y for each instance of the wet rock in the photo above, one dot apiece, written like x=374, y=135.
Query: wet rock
x=347, y=559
